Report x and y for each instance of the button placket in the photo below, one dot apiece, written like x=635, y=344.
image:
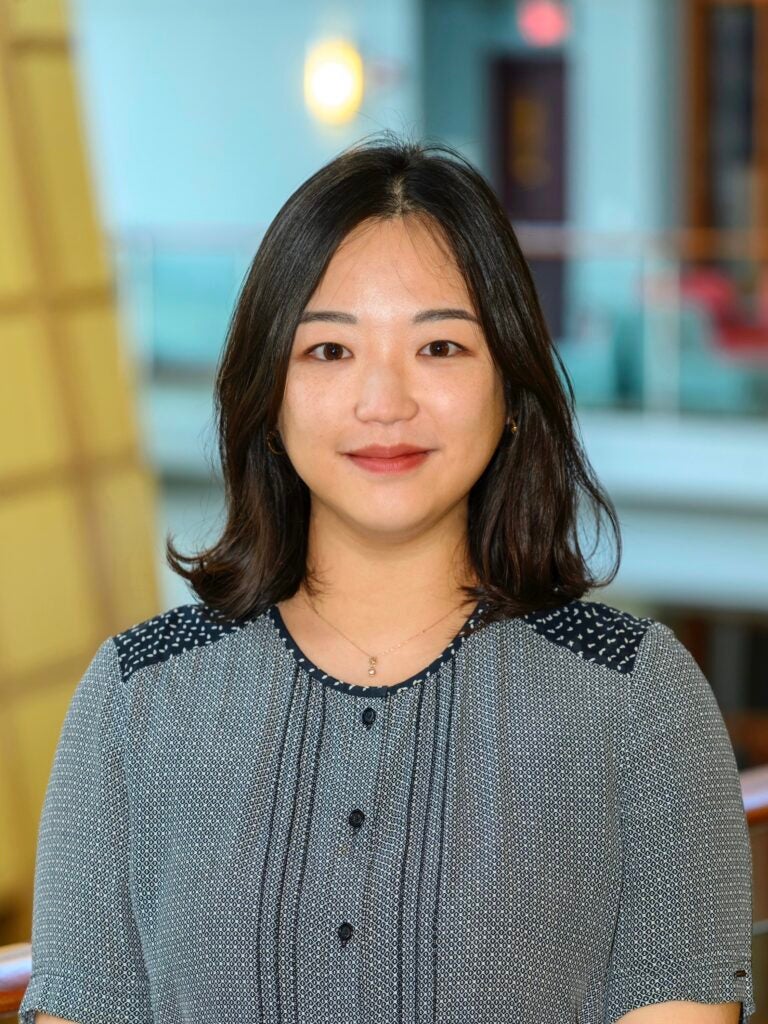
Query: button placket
x=356, y=818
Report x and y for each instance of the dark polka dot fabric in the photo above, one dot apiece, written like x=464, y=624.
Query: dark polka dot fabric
x=545, y=824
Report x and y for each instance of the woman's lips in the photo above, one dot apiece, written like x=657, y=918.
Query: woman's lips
x=396, y=465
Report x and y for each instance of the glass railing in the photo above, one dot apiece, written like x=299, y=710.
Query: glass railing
x=177, y=291
x=671, y=322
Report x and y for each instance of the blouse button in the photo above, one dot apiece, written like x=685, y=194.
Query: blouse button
x=369, y=717
x=740, y=974
x=356, y=818
x=345, y=931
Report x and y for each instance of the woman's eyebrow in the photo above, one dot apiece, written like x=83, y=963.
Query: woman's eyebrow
x=426, y=315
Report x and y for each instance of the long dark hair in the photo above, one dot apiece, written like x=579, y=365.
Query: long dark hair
x=523, y=541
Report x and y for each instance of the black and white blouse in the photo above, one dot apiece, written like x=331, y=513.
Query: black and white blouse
x=545, y=824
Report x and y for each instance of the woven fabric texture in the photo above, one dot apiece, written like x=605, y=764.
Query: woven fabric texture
x=544, y=825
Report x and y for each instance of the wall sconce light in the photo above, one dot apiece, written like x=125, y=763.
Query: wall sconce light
x=333, y=81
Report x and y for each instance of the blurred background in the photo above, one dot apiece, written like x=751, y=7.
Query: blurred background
x=145, y=147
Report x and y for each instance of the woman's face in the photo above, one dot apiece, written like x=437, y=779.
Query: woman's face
x=370, y=372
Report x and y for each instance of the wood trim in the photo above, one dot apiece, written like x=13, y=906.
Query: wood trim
x=696, y=191
x=760, y=134
x=754, y=789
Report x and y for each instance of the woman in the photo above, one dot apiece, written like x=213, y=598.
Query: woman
x=392, y=766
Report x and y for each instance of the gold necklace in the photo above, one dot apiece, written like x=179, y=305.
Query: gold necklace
x=373, y=658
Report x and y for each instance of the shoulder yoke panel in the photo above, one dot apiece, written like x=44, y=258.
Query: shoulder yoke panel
x=171, y=632
x=594, y=631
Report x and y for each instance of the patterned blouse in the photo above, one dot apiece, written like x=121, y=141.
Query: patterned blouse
x=544, y=826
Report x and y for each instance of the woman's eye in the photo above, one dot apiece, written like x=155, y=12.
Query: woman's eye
x=325, y=345
x=455, y=343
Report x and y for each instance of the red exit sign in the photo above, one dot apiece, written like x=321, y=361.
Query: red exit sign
x=543, y=22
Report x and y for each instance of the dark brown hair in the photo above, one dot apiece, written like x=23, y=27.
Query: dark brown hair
x=523, y=541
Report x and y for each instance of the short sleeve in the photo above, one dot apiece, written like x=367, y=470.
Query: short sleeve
x=684, y=927
x=87, y=963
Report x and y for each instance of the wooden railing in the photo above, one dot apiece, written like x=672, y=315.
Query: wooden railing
x=15, y=967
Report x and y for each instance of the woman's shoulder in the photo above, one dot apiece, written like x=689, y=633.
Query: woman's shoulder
x=656, y=666
x=171, y=633
x=592, y=632
x=597, y=633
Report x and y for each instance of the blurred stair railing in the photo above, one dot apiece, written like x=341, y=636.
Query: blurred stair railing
x=754, y=788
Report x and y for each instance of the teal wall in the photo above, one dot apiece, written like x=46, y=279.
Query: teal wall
x=623, y=112
x=459, y=37
x=195, y=109
x=197, y=124
x=196, y=115
x=625, y=141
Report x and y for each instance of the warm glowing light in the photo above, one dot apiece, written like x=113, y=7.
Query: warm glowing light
x=543, y=22
x=333, y=81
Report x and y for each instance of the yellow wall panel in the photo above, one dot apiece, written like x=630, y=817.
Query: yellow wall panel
x=48, y=609
x=130, y=541
x=16, y=270
x=32, y=420
x=74, y=247
x=100, y=375
x=39, y=713
x=77, y=532
x=12, y=864
x=38, y=17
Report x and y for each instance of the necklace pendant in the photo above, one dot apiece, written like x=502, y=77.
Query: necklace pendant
x=372, y=666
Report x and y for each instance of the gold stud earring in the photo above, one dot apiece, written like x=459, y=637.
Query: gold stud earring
x=275, y=451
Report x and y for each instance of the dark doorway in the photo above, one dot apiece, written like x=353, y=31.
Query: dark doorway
x=528, y=133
